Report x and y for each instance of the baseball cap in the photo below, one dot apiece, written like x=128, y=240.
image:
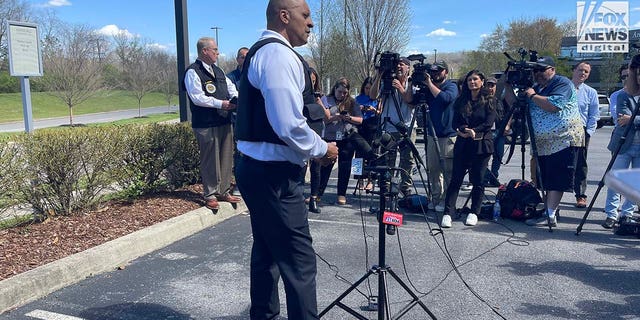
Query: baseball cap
x=492, y=80
x=439, y=65
x=546, y=62
x=405, y=61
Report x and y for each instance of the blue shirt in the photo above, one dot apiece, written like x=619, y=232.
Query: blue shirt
x=613, y=100
x=556, y=131
x=365, y=101
x=279, y=74
x=588, y=106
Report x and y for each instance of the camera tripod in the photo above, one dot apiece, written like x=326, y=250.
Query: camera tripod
x=381, y=269
x=622, y=140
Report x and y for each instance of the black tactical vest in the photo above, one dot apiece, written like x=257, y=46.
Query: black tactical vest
x=251, y=120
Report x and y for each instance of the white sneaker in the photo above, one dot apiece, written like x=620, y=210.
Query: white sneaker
x=472, y=219
x=446, y=221
x=466, y=187
x=439, y=208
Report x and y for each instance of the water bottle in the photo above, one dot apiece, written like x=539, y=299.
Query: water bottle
x=496, y=210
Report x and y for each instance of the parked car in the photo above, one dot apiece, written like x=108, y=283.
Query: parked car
x=605, y=113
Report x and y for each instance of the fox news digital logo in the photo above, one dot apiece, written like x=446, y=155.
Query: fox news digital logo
x=603, y=26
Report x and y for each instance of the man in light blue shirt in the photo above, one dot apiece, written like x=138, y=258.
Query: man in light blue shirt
x=590, y=114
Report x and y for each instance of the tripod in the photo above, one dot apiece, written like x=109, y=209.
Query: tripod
x=621, y=142
x=381, y=269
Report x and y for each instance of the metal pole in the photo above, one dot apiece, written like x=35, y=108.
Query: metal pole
x=182, y=52
x=216, y=29
x=26, y=104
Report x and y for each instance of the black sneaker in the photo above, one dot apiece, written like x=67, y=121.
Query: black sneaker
x=608, y=223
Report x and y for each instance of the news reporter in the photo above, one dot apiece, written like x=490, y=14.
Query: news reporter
x=474, y=116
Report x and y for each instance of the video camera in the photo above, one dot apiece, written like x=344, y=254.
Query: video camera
x=387, y=65
x=419, y=76
x=521, y=76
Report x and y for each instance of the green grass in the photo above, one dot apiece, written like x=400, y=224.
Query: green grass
x=46, y=105
x=153, y=118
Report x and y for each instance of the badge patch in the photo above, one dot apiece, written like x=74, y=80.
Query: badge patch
x=210, y=87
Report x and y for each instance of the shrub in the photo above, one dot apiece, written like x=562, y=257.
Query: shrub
x=62, y=171
x=67, y=170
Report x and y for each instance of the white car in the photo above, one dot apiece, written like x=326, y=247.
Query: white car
x=605, y=113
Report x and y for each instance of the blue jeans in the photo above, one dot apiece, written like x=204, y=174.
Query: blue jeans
x=630, y=158
x=496, y=161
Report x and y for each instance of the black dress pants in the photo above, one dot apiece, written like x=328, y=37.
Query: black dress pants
x=580, y=180
x=477, y=166
x=281, y=239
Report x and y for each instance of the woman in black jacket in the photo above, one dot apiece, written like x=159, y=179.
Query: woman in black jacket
x=475, y=113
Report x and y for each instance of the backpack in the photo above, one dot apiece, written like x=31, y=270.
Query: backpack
x=518, y=200
x=414, y=203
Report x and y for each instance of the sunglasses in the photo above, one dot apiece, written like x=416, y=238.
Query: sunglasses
x=624, y=77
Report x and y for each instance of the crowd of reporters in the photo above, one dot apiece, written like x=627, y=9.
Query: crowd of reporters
x=466, y=127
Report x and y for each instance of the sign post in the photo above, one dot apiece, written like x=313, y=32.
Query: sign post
x=24, y=61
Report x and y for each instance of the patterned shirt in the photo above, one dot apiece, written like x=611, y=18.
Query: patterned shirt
x=556, y=131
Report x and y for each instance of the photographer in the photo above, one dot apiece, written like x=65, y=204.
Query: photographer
x=440, y=95
x=344, y=116
x=370, y=119
x=557, y=130
x=397, y=108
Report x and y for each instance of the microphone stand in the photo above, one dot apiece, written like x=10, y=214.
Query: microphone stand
x=381, y=269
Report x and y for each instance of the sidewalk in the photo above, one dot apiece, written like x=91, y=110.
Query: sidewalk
x=85, y=118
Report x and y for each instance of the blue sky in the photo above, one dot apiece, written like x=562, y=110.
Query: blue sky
x=446, y=26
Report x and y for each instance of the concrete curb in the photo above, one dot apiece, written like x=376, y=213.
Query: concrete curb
x=39, y=282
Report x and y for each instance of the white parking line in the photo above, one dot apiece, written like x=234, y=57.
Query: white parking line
x=46, y=315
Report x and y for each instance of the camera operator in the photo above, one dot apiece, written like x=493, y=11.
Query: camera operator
x=557, y=130
x=439, y=96
x=400, y=93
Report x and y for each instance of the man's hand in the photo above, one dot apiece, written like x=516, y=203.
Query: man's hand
x=396, y=84
x=623, y=119
x=331, y=156
x=226, y=105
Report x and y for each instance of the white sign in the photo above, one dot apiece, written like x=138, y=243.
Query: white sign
x=24, y=49
x=603, y=26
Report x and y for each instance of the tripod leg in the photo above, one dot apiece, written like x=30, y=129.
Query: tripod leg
x=414, y=301
x=337, y=301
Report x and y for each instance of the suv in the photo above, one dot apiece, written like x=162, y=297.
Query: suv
x=605, y=113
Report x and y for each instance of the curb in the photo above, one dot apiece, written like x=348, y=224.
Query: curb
x=39, y=282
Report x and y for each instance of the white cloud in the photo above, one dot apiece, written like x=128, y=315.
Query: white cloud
x=157, y=46
x=448, y=22
x=112, y=30
x=57, y=3
x=441, y=33
x=484, y=35
x=637, y=25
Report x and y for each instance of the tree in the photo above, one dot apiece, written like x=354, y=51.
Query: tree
x=71, y=70
x=541, y=34
x=17, y=10
x=609, y=75
x=351, y=32
x=137, y=60
x=168, y=76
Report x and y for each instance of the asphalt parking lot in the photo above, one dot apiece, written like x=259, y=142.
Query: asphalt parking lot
x=502, y=270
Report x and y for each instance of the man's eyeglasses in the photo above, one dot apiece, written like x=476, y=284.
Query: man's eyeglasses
x=624, y=77
x=212, y=49
x=490, y=85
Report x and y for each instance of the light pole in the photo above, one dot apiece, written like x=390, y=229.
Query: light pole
x=435, y=55
x=216, y=29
